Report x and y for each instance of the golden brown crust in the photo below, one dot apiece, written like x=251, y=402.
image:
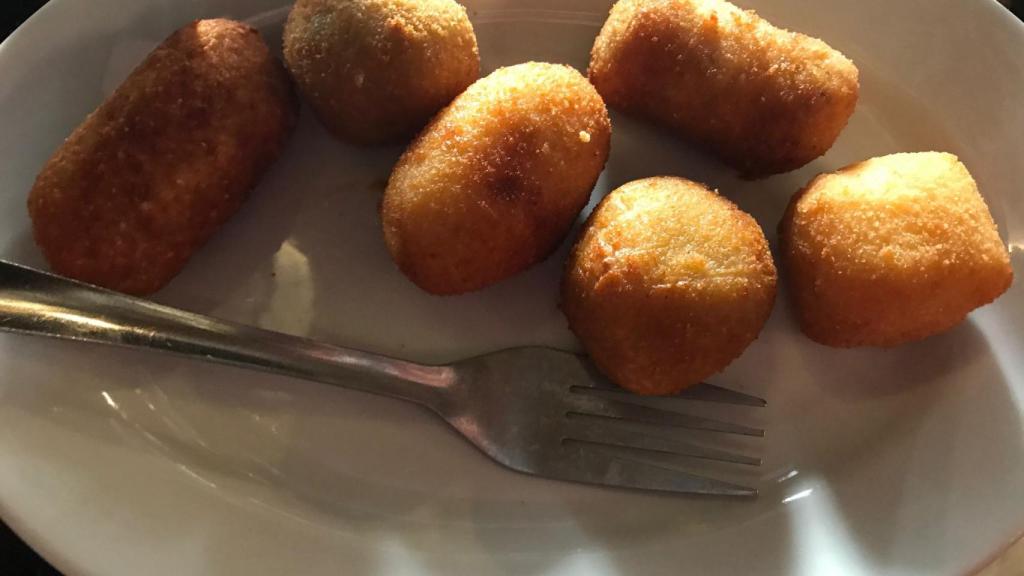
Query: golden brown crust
x=891, y=250
x=375, y=71
x=765, y=100
x=667, y=284
x=149, y=176
x=496, y=180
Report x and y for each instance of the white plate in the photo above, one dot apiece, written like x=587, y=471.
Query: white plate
x=909, y=461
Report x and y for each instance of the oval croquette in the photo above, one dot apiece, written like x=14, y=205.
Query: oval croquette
x=765, y=100
x=891, y=250
x=496, y=180
x=149, y=176
x=375, y=71
x=668, y=283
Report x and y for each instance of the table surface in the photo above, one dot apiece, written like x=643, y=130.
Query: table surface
x=17, y=559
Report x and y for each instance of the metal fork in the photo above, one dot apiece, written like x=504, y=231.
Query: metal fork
x=535, y=410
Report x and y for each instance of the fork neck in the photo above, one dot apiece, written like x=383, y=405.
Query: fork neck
x=430, y=386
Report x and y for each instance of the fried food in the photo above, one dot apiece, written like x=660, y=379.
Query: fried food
x=149, y=176
x=375, y=71
x=496, y=180
x=891, y=250
x=763, y=99
x=668, y=283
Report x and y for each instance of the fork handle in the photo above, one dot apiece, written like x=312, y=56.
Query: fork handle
x=39, y=303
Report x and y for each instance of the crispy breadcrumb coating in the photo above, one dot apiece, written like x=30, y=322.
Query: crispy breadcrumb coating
x=764, y=99
x=891, y=250
x=149, y=176
x=668, y=283
x=375, y=71
x=496, y=180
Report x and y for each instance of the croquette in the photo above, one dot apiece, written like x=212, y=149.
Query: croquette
x=763, y=99
x=497, y=179
x=151, y=175
x=668, y=283
x=375, y=71
x=891, y=250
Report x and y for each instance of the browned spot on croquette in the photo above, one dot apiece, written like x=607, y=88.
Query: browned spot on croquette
x=507, y=167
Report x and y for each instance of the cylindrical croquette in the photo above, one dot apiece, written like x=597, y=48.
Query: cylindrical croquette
x=497, y=179
x=765, y=100
x=668, y=283
x=149, y=176
x=891, y=250
x=376, y=71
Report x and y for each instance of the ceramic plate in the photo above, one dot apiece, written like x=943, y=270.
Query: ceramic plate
x=113, y=462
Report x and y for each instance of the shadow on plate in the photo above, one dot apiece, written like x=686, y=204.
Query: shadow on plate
x=953, y=432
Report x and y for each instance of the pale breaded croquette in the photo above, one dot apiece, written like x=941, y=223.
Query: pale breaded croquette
x=668, y=283
x=376, y=71
x=149, y=176
x=497, y=179
x=891, y=250
x=765, y=100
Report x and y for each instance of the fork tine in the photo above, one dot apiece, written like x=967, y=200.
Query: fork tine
x=605, y=465
x=588, y=405
x=702, y=392
x=611, y=435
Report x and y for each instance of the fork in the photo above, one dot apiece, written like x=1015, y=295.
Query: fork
x=535, y=410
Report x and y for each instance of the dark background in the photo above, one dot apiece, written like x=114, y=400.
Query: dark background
x=17, y=559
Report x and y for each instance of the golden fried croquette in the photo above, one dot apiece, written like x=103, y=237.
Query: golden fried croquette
x=891, y=250
x=496, y=180
x=375, y=71
x=765, y=100
x=149, y=176
x=668, y=283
